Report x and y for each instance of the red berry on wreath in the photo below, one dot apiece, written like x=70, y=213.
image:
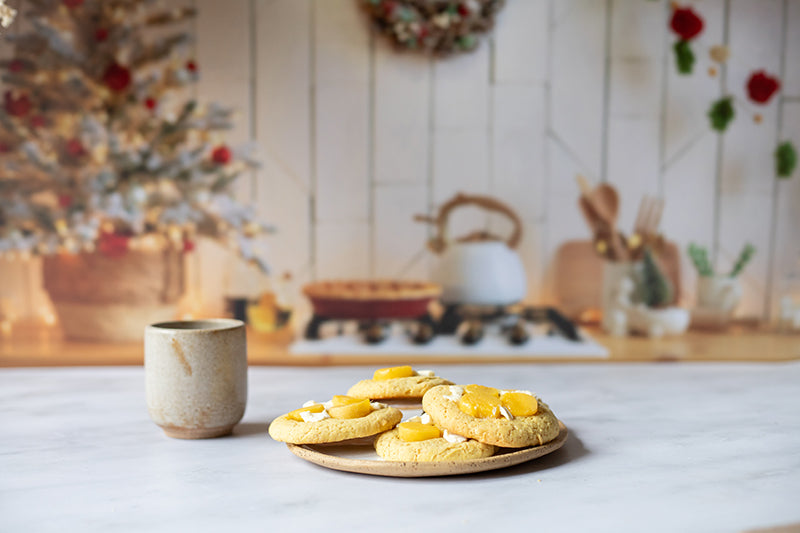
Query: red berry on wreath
x=686, y=23
x=117, y=78
x=221, y=155
x=191, y=66
x=150, y=103
x=101, y=34
x=463, y=10
x=16, y=65
x=73, y=3
x=761, y=86
x=16, y=106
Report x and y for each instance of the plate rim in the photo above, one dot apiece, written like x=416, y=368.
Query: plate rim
x=428, y=469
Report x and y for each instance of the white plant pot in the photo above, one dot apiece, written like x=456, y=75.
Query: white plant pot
x=719, y=293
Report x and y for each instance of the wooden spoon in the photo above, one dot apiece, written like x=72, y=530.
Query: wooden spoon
x=605, y=196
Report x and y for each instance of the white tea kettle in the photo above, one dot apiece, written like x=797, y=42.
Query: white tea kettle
x=477, y=269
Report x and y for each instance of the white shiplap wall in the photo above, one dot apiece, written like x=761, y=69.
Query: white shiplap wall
x=356, y=138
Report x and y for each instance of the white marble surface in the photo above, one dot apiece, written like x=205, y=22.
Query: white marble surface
x=654, y=447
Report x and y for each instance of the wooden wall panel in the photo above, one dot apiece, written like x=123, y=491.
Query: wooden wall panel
x=747, y=167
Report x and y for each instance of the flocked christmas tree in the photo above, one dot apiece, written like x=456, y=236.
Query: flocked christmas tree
x=100, y=148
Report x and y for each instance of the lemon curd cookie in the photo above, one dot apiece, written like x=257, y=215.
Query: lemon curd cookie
x=419, y=439
x=342, y=418
x=397, y=382
x=506, y=418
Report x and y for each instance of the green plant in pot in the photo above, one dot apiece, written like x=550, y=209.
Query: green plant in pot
x=718, y=295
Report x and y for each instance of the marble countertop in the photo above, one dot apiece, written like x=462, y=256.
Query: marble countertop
x=653, y=447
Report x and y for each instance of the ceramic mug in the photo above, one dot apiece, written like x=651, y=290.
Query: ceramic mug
x=196, y=376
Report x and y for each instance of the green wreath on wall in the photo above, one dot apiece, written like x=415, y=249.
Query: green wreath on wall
x=436, y=27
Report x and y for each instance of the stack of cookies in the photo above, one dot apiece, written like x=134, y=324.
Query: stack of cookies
x=458, y=422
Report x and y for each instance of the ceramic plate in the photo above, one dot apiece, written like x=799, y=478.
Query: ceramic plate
x=363, y=459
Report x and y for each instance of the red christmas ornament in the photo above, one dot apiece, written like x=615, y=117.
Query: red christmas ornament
x=38, y=121
x=100, y=34
x=117, y=78
x=463, y=10
x=112, y=244
x=221, y=155
x=64, y=200
x=150, y=103
x=73, y=3
x=686, y=23
x=191, y=66
x=188, y=245
x=74, y=147
x=16, y=65
x=17, y=106
x=761, y=86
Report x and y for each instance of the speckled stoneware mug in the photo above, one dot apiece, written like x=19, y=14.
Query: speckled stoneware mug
x=196, y=376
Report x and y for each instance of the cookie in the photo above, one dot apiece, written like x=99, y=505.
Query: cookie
x=391, y=447
x=406, y=387
x=327, y=430
x=441, y=403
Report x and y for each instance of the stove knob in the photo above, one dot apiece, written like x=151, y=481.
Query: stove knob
x=518, y=335
x=423, y=335
x=473, y=333
x=375, y=333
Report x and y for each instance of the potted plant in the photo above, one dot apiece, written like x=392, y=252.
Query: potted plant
x=718, y=295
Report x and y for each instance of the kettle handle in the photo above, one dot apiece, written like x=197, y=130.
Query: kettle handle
x=439, y=241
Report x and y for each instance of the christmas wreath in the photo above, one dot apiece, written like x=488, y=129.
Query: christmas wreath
x=438, y=27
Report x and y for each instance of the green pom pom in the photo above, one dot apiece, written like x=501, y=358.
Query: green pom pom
x=785, y=159
x=684, y=57
x=721, y=113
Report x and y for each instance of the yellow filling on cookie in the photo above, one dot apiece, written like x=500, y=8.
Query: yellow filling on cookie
x=520, y=403
x=413, y=431
x=393, y=372
x=487, y=402
x=356, y=409
x=344, y=400
x=295, y=415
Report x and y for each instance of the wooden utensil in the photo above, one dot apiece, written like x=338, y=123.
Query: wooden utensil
x=600, y=207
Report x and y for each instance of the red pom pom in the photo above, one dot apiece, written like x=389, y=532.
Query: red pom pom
x=761, y=86
x=100, y=34
x=38, y=121
x=117, y=78
x=74, y=147
x=686, y=23
x=221, y=155
x=64, y=200
x=188, y=245
x=191, y=66
x=17, y=106
x=73, y=3
x=16, y=65
x=112, y=244
x=150, y=103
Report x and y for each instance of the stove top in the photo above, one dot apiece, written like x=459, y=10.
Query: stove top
x=457, y=330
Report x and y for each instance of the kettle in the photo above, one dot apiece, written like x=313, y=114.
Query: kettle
x=479, y=268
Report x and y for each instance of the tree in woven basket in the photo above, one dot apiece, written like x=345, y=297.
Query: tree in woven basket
x=100, y=148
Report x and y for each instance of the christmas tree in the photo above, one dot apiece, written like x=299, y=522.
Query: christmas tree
x=100, y=148
x=653, y=287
